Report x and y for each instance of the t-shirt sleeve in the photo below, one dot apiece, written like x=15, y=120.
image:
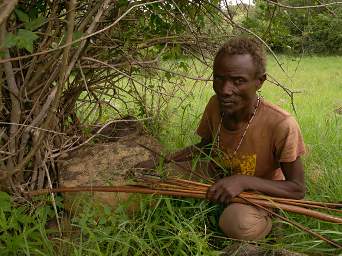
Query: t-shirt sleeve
x=205, y=127
x=289, y=144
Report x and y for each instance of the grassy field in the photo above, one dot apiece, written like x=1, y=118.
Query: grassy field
x=189, y=227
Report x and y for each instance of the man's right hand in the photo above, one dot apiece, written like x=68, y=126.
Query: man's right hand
x=146, y=165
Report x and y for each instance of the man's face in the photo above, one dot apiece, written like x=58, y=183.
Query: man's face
x=235, y=82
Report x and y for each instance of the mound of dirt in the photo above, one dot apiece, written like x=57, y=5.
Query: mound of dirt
x=104, y=164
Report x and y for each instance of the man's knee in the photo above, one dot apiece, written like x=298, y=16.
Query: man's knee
x=245, y=222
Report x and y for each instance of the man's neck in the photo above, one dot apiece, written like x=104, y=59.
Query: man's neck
x=236, y=121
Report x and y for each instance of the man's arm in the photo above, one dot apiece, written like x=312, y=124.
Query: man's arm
x=185, y=154
x=293, y=187
x=190, y=152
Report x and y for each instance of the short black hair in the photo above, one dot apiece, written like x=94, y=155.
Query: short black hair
x=245, y=45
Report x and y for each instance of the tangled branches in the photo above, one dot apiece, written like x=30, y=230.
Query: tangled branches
x=66, y=67
x=88, y=59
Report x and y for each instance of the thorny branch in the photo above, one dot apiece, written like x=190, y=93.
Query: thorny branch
x=82, y=38
x=49, y=97
x=289, y=92
x=302, y=7
x=15, y=103
x=6, y=9
x=234, y=24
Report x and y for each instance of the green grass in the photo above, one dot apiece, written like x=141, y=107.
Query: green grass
x=169, y=226
x=318, y=81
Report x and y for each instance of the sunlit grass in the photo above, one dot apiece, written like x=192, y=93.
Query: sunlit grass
x=318, y=83
x=170, y=226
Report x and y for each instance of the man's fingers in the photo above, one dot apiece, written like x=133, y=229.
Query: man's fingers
x=212, y=192
x=217, y=194
x=228, y=198
x=213, y=188
x=223, y=198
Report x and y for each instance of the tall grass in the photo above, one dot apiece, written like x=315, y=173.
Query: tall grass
x=318, y=83
x=170, y=226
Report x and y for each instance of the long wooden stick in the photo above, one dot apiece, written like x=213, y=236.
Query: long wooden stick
x=183, y=192
x=301, y=203
x=195, y=186
x=296, y=224
x=312, y=206
x=327, y=205
x=124, y=189
x=294, y=209
x=173, y=186
x=288, y=200
x=268, y=200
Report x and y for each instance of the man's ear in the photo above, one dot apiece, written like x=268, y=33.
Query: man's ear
x=260, y=80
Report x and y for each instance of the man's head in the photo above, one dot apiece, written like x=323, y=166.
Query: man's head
x=239, y=71
x=245, y=45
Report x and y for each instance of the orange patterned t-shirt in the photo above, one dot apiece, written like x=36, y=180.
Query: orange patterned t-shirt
x=273, y=137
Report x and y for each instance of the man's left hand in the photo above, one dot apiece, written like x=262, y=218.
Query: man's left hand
x=227, y=188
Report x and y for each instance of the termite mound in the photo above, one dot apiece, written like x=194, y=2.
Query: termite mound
x=106, y=163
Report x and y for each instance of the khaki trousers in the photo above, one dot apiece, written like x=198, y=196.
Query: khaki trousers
x=238, y=221
x=245, y=222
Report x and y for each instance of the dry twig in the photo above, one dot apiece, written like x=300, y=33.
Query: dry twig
x=153, y=184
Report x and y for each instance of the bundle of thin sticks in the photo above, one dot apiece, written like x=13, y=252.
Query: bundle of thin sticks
x=154, y=184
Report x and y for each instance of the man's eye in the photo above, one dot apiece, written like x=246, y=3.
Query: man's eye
x=218, y=78
x=239, y=81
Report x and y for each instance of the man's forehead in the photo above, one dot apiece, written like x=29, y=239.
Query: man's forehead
x=242, y=63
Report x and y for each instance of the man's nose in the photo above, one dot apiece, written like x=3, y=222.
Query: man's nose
x=227, y=88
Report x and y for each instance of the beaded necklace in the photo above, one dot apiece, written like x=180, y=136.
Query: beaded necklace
x=245, y=131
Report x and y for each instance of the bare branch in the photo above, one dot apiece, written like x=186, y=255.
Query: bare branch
x=90, y=30
x=289, y=92
x=301, y=7
x=252, y=33
x=97, y=134
x=14, y=95
x=82, y=38
x=53, y=108
x=34, y=127
x=9, y=7
x=52, y=196
x=123, y=73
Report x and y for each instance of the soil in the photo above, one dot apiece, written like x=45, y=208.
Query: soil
x=105, y=164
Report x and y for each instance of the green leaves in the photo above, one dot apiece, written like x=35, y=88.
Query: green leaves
x=23, y=39
x=184, y=66
x=30, y=23
x=22, y=16
x=122, y=3
x=22, y=230
x=5, y=201
x=297, y=30
x=35, y=24
x=10, y=40
x=75, y=36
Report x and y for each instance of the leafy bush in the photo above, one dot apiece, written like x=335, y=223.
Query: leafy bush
x=22, y=232
x=316, y=30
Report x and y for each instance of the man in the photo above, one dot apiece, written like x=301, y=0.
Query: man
x=256, y=145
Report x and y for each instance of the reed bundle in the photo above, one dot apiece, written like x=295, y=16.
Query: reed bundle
x=173, y=186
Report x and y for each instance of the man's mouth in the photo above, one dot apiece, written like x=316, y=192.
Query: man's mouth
x=227, y=103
